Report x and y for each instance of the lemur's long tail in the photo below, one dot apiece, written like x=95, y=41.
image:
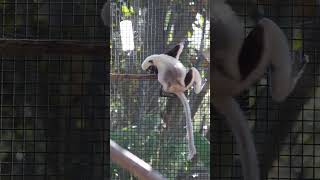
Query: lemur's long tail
x=186, y=108
x=240, y=128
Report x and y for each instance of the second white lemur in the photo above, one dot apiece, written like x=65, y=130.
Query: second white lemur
x=175, y=78
x=238, y=63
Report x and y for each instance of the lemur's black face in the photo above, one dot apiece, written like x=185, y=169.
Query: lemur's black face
x=152, y=69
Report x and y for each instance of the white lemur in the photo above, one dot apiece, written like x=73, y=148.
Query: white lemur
x=238, y=63
x=175, y=78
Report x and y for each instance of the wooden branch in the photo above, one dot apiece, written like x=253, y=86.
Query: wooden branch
x=133, y=76
x=132, y=163
x=28, y=47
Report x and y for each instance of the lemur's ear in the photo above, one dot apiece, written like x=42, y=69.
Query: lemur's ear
x=176, y=51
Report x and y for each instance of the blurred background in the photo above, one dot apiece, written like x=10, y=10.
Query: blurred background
x=286, y=134
x=53, y=119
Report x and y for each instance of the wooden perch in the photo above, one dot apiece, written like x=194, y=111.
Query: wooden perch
x=132, y=163
x=28, y=47
x=133, y=76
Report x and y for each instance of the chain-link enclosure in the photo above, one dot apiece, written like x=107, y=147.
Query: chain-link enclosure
x=286, y=134
x=148, y=123
x=53, y=121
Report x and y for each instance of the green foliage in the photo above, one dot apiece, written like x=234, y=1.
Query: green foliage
x=203, y=149
x=126, y=11
x=297, y=42
x=201, y=21
x=161, y=151
x=125, y=137
x=150, y=122
x=170, y=35
x=167, y=19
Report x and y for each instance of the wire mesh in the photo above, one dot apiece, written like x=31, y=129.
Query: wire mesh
x=147, y=124
x=52, y=108
x=286, y=134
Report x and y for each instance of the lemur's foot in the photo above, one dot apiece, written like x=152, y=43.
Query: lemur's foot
x=192, y=155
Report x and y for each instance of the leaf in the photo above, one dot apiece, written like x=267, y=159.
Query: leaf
x=297, y=42
x=201, y=21
x=189, y=34
x=166, y=20
x=131, y=10
x=125, y=10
